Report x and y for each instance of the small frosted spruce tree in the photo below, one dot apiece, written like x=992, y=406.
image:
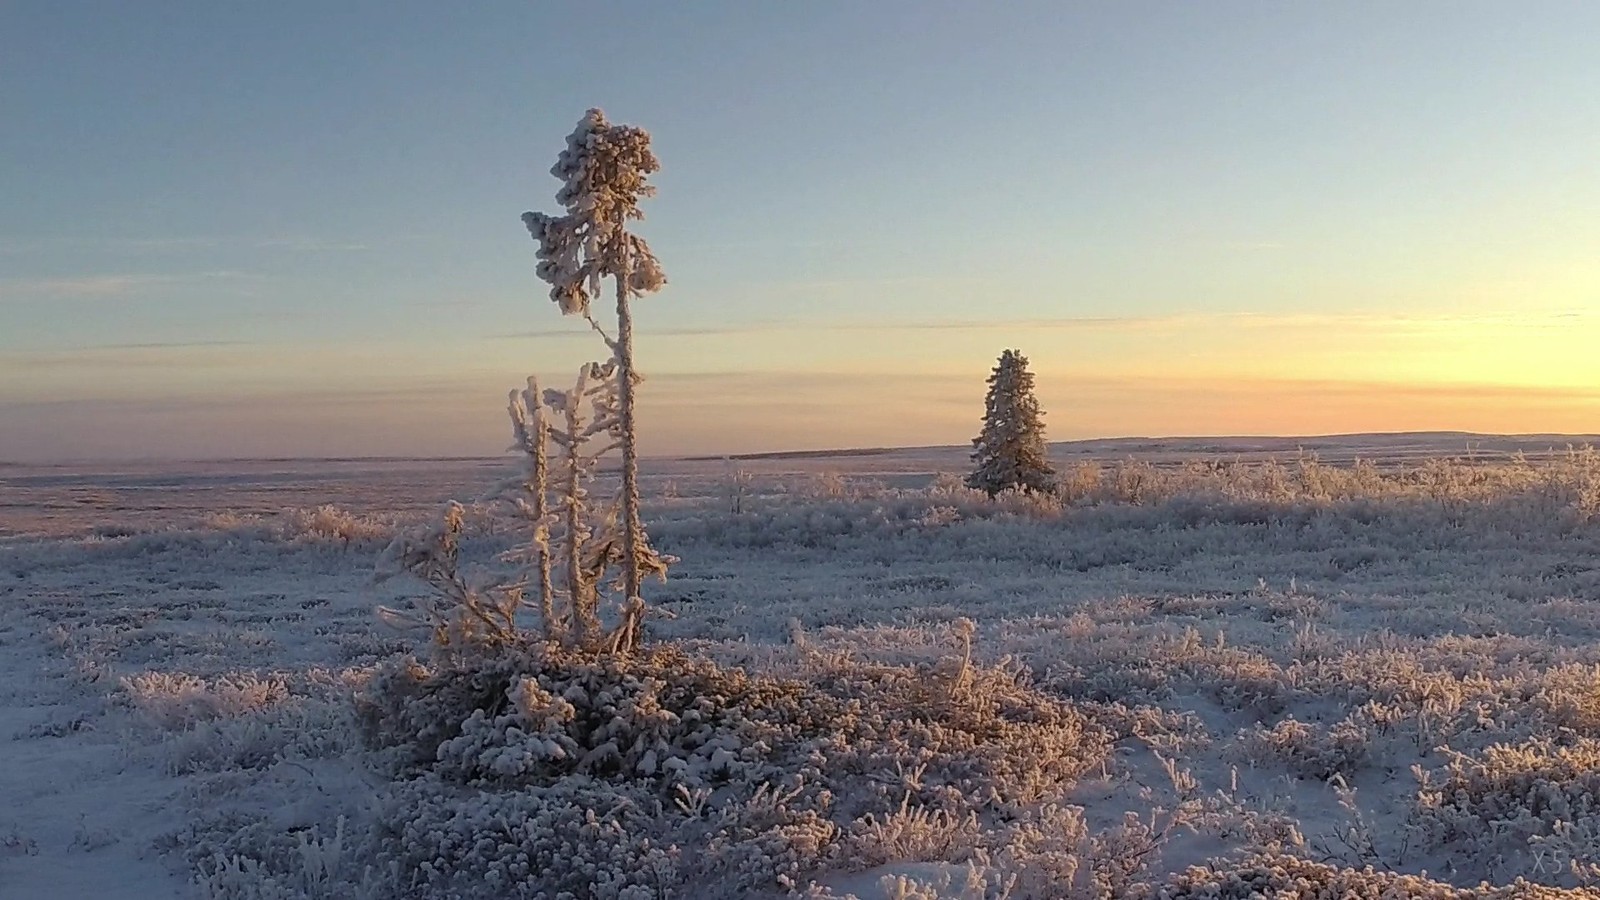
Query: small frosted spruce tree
x=1009, y=453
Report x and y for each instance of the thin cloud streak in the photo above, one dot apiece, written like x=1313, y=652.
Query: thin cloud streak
x=779, y=327
x=26, y=246
x=180, y=244
x=1365, y=321
x=1348, y=388
x=311, y=245
x=106, y=286
x=157, y=345
x=155, y=354
x=568, y=334
x=291, y=399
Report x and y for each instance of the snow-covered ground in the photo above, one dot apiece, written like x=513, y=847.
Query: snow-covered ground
x=1392, y=664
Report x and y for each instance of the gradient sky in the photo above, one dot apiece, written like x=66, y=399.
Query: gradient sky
x=291, y=228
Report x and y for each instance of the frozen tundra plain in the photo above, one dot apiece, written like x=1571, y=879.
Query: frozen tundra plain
x=1273, y=663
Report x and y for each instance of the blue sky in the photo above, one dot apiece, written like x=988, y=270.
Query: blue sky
x=292, y=228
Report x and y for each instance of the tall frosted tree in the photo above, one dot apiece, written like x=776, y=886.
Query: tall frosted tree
x=604, y=173
x=1010, y=452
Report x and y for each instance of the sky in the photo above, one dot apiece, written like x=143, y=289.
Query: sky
x=292, y=228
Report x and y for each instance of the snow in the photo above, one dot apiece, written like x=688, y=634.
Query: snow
x=77, y=809
x=181, y=644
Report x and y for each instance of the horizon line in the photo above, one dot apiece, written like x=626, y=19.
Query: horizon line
x=1573, y=439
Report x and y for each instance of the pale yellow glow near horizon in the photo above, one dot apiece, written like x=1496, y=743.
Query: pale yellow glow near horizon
x=778, y=387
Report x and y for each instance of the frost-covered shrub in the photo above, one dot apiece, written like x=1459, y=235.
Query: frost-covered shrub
x=913, y=834
x=940, y=517
x=1577, y=480
x=533, y=714
x=298, y=730
x=825, y=485
x=821, y=524
x=308, y=865
x=1501, y=805
x=243, y=721
x=576, y=838
x=1309, y=750
x=178, y=700
x=1029, y=504
x=465, y=609
x=1516, y=494
x=329, y=522
x=1079, y=485
x=1291, y=877
x=714, y=776
x=1569, y=696
x=1239, y=679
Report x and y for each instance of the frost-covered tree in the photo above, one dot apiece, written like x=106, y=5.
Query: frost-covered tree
x=529, y=500
x=604, y=172
x=594, y=390
x=1009, y=453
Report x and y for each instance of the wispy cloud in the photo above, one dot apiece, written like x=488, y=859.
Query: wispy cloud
x=1353, y=388
x=286, y=399
x=168, y=345
x=26, y=246
x=1253, y=245
x=1088, y=323
x=303, y=244
x=84, y=286
x=1358, y=321
x=567, y=334
x=1363, y=320
x=105, y=286
x=155, y=355
x=1085, y=323
x=175, y=244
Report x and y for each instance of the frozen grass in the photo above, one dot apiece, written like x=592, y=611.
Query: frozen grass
x=1284, y=672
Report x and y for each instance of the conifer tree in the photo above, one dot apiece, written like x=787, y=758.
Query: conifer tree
x=1009, y=453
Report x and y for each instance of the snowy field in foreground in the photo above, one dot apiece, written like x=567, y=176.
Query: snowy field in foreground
x=1393, y=666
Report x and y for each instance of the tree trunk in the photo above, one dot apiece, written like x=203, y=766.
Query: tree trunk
x=541, y=509
x=581, y=592
x=632, y=605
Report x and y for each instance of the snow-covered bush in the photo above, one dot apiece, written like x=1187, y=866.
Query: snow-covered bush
x=178, y=700
x=535, y=713
x=329, y=521
x=1514, y=802
x=243, y=720
x=577, y=838
x=713, y=775
x=1291, y=877
x=1308, y=750
x=464, y=611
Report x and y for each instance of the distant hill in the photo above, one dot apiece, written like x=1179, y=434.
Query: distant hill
x=1335, y=449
